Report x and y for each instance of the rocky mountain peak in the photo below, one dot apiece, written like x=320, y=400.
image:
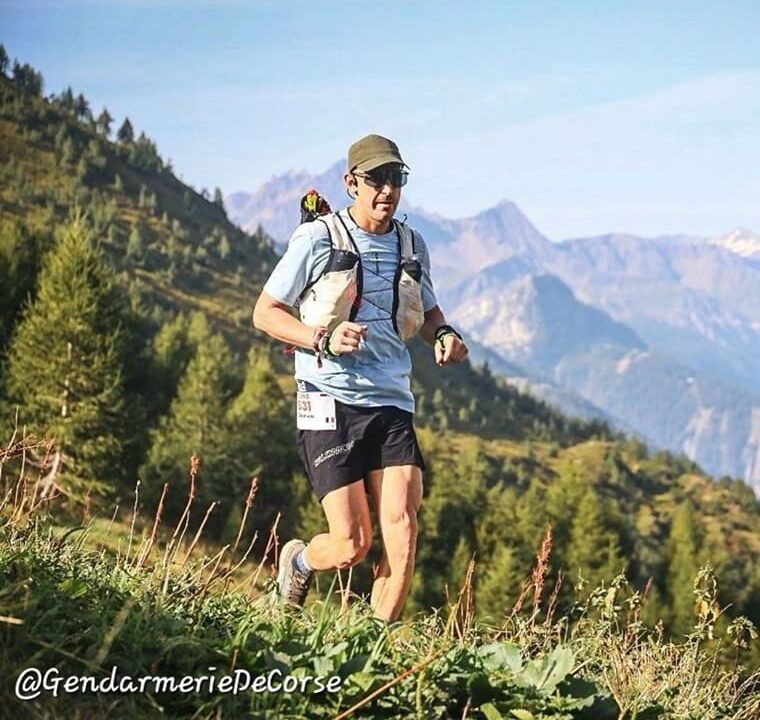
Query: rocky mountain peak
x=741, y=241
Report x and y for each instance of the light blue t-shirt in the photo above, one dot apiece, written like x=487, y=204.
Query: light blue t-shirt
x=378, y=373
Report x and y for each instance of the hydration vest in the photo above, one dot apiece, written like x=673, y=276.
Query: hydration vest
x=335, y=295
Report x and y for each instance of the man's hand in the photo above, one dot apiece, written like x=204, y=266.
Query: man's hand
x=346, y=338
x=450, y=349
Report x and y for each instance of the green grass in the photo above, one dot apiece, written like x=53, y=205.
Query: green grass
x=82, y=603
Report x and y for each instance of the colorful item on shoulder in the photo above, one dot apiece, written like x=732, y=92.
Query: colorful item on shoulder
x=313, y=205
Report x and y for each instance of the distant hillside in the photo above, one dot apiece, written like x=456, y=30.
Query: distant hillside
x=177, y=248
x=688, y=304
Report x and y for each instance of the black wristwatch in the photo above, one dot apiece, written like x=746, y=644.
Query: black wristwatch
x=443, y=330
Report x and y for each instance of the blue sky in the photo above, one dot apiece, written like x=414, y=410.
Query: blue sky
x=591, y=116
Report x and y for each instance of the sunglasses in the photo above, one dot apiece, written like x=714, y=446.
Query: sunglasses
x=391, y=176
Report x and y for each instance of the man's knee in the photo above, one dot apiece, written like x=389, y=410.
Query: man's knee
x=351, y=550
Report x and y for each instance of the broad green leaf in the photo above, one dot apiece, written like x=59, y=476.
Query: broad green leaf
x=490, y=712
x=336, y=649
x=498, y=656
x=363, y=680
x=544, y=674
x=323, y=666
x=561, y=662
x=523, y=715
x=355, y=664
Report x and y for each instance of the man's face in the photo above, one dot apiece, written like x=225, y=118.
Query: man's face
x=378, y=191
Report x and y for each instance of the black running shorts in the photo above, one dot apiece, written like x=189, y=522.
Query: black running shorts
x=365, y=438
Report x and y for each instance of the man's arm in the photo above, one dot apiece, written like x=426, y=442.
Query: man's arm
x=275, y=319
x=433, y=320
x=451, y=348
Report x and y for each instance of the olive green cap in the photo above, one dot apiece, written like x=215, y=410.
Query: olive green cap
x=373, y=151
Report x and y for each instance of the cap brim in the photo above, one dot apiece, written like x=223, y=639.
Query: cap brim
x=378, y=160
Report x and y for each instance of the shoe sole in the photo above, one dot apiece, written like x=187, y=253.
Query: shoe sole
x=289, y=549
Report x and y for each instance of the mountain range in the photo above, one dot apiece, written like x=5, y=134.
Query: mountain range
x=659, y=336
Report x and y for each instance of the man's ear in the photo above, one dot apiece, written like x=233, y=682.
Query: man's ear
x=350, y=182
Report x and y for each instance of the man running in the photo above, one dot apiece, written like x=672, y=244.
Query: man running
x=361, y=282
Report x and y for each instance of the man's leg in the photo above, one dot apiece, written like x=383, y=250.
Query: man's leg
x=397, y=494
x=350, y=530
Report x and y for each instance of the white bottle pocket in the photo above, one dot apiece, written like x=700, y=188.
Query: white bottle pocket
x=410, y=315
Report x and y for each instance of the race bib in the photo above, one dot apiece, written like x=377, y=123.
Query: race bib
x=315, y=411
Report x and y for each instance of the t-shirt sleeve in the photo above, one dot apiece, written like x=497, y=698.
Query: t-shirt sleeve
x=429, y=300
x=304, y=260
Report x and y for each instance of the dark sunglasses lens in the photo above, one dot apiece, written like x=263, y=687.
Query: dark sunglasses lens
x=372, y=180
x=396, y=178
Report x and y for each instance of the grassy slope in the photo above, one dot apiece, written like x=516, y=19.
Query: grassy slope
x=83, y=611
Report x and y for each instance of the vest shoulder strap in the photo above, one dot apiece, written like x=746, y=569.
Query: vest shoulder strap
x=406, y=239
x=339, y=237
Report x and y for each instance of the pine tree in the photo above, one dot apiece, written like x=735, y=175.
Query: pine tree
x=457, y=569
x=218, y=197
x=500, y=578
x=682, y=568
x=94, y=154
x=531, y=518
x=125, y=133
x=449, y=515
x=74, y=390
x=61, y=136
x=104, y=123
x=563, y=497
x=27, y=78
x=4, y=59
x=261, y=436
x=82, y=108
x=496, y=525
x=144, y=153
x=195, y=425
x=151, y=203
x=68, y=152
x=172, y=352
x=653, y=611
x=81, y=169
x=593, y=550
x=135, y=247
x=66, y=100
